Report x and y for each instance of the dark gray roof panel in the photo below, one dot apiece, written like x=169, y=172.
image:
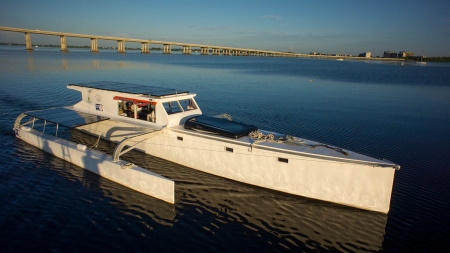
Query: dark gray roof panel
x=66, y=117
x=131, y=88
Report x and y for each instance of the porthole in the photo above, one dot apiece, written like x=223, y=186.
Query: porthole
x=283, y=160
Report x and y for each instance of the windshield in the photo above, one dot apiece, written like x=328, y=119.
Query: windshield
x=177, y=106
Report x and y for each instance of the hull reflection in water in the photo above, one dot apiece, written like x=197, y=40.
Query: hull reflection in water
x=211, y=207
x=126, y=200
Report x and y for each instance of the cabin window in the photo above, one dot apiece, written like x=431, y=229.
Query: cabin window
x=136, y=111
x=172, y=107
x=125, y=108
x=146, y=112
x=187, y=104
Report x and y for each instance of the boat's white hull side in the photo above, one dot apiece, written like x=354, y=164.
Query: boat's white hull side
x=350, y=184
x=134, y=177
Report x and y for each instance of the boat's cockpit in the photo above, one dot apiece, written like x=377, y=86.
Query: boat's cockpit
x=162, y=106
x=146, y=110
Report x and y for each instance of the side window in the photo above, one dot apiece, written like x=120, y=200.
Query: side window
x=124, y=108
x=187, y=104
x=146, y=112
x=172, y=107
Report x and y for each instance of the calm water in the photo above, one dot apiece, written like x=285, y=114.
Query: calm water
x=399, y=112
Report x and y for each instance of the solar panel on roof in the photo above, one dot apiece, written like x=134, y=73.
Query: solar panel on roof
x=130, y=88
x=66, y=117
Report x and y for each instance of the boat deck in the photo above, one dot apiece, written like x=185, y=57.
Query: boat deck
x=117, y=131
x=66, y=117
x=305, y=149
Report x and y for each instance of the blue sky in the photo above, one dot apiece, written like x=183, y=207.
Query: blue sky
x=325, y=26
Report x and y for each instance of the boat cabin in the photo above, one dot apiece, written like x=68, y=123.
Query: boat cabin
x=137, y=103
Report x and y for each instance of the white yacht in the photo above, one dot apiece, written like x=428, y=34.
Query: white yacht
x=169, y=124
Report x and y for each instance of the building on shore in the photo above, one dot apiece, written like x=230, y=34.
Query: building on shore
x=365, y=54
x=390, y=54
x=405, y=54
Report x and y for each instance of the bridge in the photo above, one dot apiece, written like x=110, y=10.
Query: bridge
x=145, y=48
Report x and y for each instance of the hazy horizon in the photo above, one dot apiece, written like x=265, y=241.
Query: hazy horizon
x=327, y=27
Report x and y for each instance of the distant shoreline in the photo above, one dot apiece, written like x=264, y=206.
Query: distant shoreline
x=328, y=57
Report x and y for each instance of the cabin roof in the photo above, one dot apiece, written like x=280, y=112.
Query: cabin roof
x=137, y=89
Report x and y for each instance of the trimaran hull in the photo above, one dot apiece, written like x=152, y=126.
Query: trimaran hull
x=168, y=123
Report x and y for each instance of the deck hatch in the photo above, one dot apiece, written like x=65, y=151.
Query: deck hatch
x=66, y=117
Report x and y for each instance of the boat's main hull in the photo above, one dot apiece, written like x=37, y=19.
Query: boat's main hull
x=352, y=184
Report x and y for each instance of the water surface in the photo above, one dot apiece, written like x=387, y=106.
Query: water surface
x=400, y=112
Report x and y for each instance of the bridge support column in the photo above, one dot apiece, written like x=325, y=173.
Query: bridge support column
x=94, y=45
x=167, y=49
x=63, y=43
x=28, y=42
x=187, y=50
x=204, y=51
x=145, y=49
x=121, y=46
